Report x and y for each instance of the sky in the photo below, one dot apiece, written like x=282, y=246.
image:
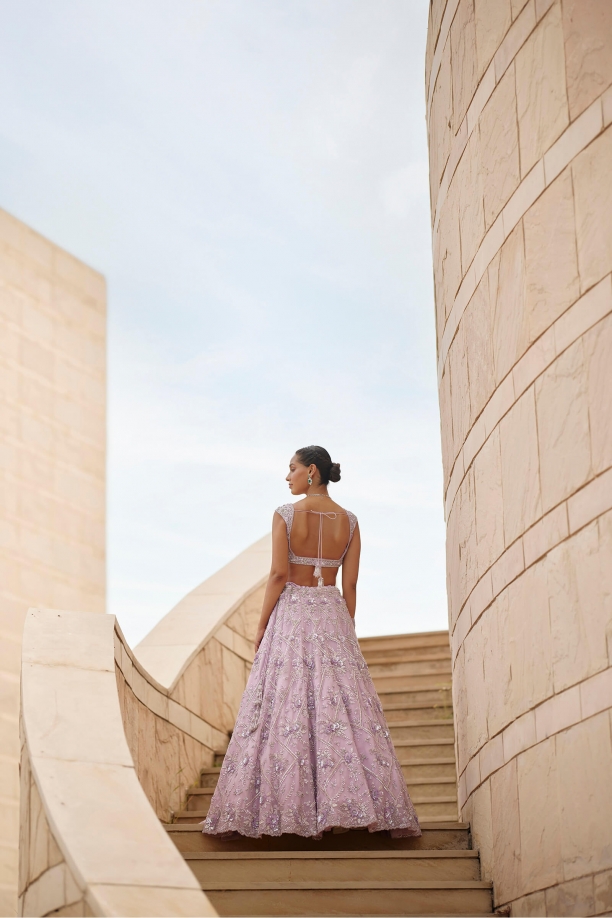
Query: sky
x=251, y=178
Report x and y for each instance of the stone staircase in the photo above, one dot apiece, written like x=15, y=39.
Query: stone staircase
x=355, y=872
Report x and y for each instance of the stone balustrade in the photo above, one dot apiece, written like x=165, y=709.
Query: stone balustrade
x=108, y=749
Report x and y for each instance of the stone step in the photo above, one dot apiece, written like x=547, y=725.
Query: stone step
x=426, y=788
x=209, y=777
x=418, y=710
x=244, y=869
x=410, y=750
x=412, y=668
x=424, y=696
x=437, y=767
x=425, y=639
x=404, y=654
x=421, y=729
x=408, y=897
x=440, y=681
x=437, y=836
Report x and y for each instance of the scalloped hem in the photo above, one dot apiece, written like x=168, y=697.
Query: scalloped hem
x=396, y=832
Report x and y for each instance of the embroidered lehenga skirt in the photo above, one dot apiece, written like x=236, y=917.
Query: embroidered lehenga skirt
x=311, y=749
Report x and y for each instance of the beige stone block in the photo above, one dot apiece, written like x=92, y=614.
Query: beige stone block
x=440, y=118
x=170, y=771
x=534, y=904
x=178, y=715
x=463, y=55
x=469, y=177
x=539, y=815
x=508, y=567
x=587, y=25
x=545, y=534
x=474, y=442
x=491, y=756
x=574, y=139
x=436, y=11
x=529, y=653
x=579, y=606
x=573, y=898
x=495, y=624
x=454, y=484
x=452, y=565
x=11, y=305
x=597, y=345
x=25, y=241
x=446, y=429
x=479, y=100
x=46, y=894
x=584, y=755
x=520, y=467
x=507, y=293
x=516, y=35
x=499, y=404
x=482, y=829
x=519, y=735
x=558, y=713
x=468, y=566
x=79, y=276
x=479, y=348
x=602, y=888
x=590, y=502
x=460, y=389
x=38, y=843
x=476, y=733
x=20, y=273
x=499, y=151
x=563, y=426
x=488, y=249
x=460, y=705
x=506, y=833
x=593, y=202
x=492, y=22
x=210, y=662
x=551, y=264
x=596, y=693
x=489, y=503
x=586, y=312
x=472, y=775
x=540, y=89
x=234, y=681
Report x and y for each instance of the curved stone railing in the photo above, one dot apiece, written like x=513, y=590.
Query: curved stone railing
x=90, y=843
x=108, y=750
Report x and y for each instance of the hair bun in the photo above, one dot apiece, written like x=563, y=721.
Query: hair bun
x=334, y=472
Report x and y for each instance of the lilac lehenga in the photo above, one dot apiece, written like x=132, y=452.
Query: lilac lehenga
x=311, y=749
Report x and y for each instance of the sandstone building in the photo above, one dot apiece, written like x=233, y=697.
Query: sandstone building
x=52, y=459
x=519, y=108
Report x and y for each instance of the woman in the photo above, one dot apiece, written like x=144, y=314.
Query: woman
x=311, y=750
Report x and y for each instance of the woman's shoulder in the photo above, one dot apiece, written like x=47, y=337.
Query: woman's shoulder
x=285, y=510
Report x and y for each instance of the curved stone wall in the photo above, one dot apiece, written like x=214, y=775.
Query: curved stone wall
x=519, y=105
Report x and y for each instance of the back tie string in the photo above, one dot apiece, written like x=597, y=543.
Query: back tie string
x=318, y=573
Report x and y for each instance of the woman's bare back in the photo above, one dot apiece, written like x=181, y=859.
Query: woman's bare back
x=309, y=513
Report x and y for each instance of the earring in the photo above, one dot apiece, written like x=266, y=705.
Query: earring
x=309, y=480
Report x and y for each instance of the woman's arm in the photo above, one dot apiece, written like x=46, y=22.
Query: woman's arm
x=350, y=572
x=278, y=574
